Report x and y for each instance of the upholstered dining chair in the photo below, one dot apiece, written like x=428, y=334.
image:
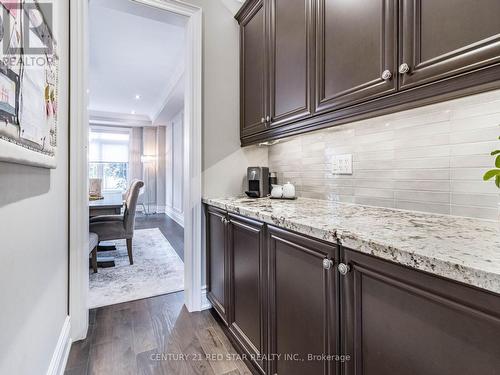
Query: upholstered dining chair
x=117, y=227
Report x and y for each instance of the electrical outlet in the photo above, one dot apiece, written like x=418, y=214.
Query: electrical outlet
x=342, y=164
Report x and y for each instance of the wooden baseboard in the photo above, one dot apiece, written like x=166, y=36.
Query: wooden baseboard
x=61, y=352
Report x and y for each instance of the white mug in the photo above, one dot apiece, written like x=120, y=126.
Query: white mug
x=277, y=191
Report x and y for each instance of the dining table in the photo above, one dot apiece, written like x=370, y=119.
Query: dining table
x=110, y=204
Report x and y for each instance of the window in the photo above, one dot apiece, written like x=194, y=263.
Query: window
x=108, y=158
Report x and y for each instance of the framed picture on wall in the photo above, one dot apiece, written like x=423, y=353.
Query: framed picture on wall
x=28, y=84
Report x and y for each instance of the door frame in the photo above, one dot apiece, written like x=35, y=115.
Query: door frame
x=78, y=181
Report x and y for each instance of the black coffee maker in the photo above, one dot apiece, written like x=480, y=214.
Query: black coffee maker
x=258, y=182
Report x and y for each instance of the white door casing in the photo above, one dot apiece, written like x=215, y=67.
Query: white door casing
x=78, y=288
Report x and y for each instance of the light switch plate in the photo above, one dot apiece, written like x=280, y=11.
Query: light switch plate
x=342, y=164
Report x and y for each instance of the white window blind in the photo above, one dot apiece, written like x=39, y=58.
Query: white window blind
x=108, y=146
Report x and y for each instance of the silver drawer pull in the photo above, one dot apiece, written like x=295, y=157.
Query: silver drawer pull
x=404, y=68
x=327, y=263
x=386, y=75
x=343, y=269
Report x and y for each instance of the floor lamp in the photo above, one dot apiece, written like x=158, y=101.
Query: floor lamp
x=147, y=161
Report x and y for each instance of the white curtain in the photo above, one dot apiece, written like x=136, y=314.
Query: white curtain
x=135, y=152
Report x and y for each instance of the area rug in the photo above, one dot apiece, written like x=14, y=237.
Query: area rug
x=157, y=269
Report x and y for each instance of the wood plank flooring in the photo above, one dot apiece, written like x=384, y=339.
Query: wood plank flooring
x=154, y=336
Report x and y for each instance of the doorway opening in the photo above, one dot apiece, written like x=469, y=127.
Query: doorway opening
x=136, y=105
x=143, y=130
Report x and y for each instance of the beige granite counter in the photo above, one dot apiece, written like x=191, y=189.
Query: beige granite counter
x=458, y=248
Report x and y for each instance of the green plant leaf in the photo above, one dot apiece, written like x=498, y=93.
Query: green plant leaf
x=493, y=153
x=497, y=161
x=490, y=174
x=497, y=181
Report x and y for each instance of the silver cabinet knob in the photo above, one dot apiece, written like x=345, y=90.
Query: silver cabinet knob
x=343, y=268
x=404, y=68
x=386, y=75
x=262, y=120
x=222, y=218
x=268, y=118
x=327, y=263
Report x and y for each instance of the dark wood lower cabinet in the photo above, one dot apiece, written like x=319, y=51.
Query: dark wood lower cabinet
x=247, y=286
x=288, y=307
x=401, y=321
x=217, y=261
x=302, y=305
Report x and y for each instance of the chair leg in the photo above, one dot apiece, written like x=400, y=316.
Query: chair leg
x=129, y=250
x=94, y=259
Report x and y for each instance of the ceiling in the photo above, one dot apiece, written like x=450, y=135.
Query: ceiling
x=134, y=50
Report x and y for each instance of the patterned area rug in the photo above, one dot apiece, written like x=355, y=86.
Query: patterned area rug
x=157, y=269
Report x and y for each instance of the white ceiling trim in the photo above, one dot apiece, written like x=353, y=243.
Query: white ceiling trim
x=118, y=119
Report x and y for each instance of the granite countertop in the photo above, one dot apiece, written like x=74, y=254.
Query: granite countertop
x=458, y=248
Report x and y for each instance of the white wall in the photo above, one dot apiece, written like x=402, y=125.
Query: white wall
x=34, y=244
x=174, y=176
x=224, y=161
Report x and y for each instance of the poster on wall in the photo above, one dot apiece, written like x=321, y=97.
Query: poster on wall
x=28, y=83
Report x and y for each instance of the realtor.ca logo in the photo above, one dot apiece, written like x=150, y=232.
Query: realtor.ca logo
x=26, y=32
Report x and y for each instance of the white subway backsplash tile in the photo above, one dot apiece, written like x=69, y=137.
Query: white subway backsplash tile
x=427, y=207
x=423, y=185
x=422, y=196
x=426, y=159
x=476, y=200
x=480, y=212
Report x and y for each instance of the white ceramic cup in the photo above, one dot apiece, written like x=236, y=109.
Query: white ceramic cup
x=277, y=191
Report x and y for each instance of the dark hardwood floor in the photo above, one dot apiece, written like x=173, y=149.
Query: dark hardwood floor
x=172, y=231
x=154, y=336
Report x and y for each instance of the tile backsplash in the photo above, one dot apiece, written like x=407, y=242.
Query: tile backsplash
x=426, y=159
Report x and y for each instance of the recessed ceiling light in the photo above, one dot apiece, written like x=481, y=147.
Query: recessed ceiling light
x=133, y=112
x=137, y=97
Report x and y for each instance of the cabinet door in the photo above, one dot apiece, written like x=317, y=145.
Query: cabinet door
x=406, y=322
x=443, y=38
x=291, y=50
x=253, y=70
x=217, y=277
x=247, y=283
x=356, y=51
x=302, y=301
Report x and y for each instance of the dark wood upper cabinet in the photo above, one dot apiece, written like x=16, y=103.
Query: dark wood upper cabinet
x=406, y=322
x=443, y=38
x=290, y=53
x=217, y=261
x=253, y=60
x=356, y=51
x=312, y=64
x=302, y=304
x=247, y=285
